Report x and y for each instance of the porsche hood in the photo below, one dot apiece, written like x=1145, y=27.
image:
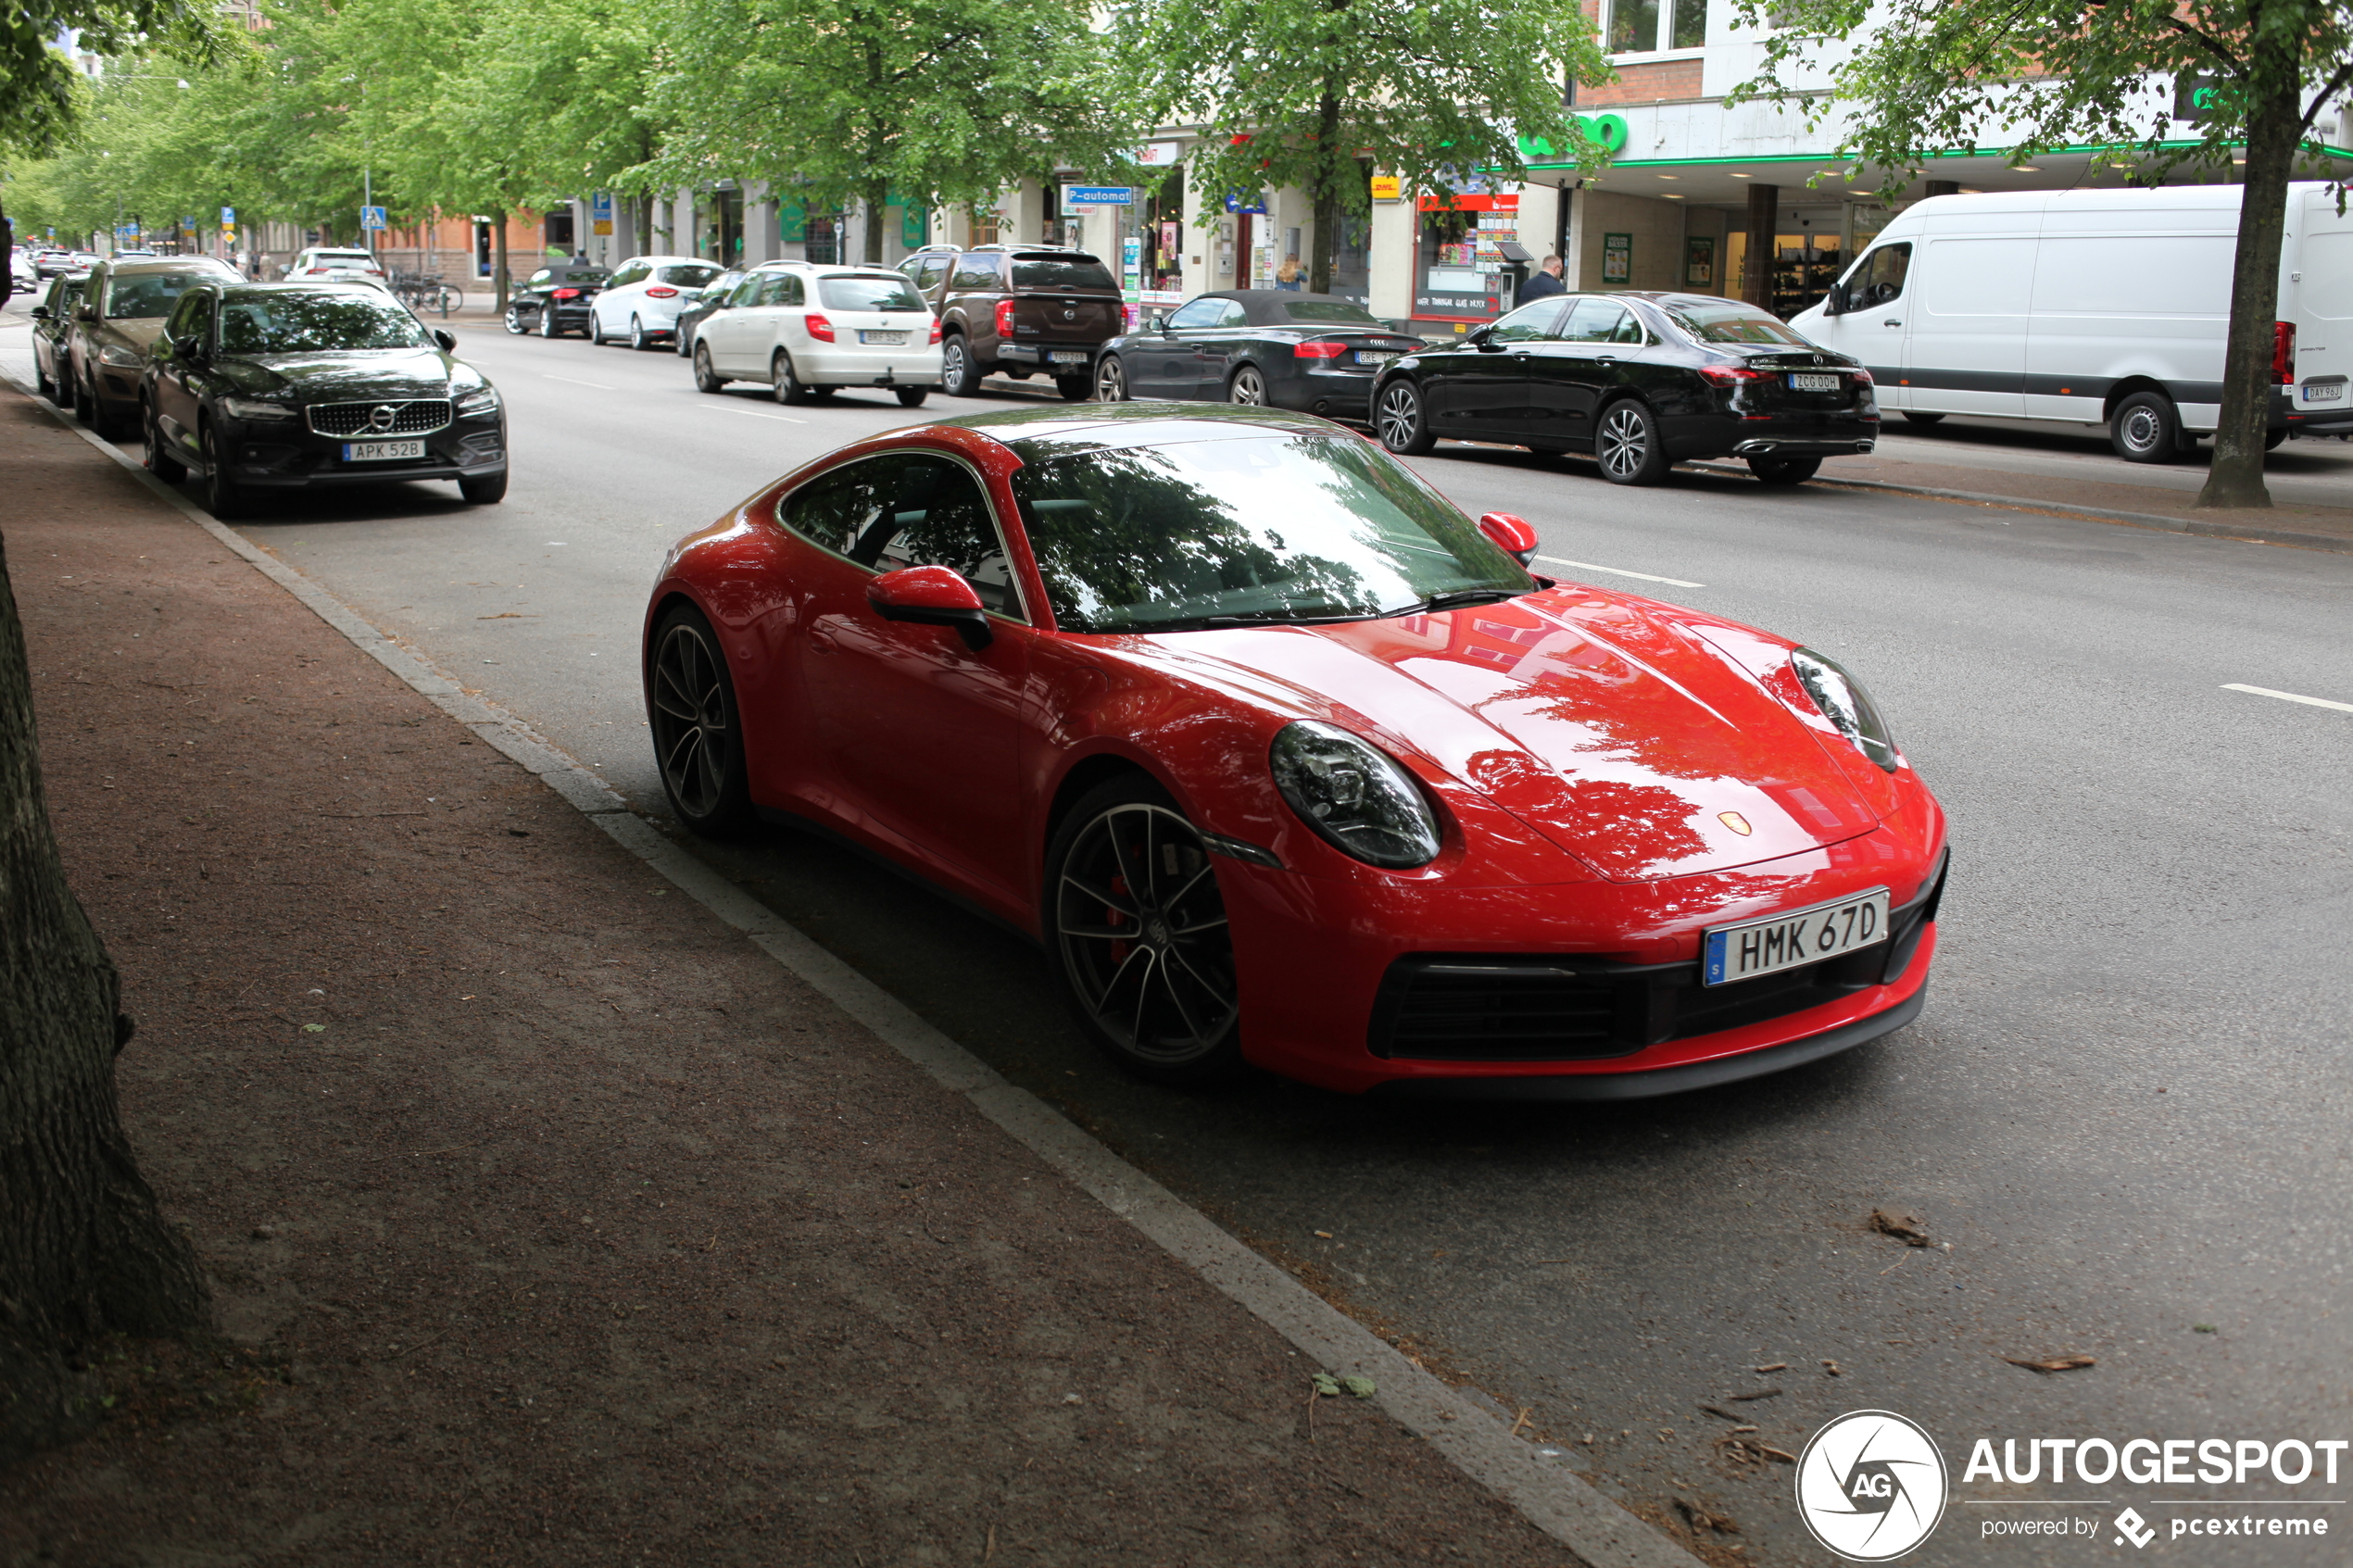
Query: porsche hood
x=1620, y=735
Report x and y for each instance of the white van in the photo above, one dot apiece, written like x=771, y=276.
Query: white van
x=2093, y=307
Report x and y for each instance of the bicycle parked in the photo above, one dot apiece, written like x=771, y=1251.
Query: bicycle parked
x=423, y=292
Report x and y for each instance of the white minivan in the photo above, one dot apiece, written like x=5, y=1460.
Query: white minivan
x=2093, y=307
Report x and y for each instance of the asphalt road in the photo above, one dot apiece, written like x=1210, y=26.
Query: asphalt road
x=2125, y=1108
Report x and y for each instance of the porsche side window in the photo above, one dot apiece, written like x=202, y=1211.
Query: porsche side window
x=935, y=514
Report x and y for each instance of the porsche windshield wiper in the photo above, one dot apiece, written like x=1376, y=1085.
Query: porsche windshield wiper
x=1455, y=598
x=1228, y=622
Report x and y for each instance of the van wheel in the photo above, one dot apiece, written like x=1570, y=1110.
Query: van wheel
x=2145, y=429
x=1912, y=418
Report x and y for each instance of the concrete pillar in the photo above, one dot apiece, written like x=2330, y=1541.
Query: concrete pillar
x=1392, y=257
x=1022, y=215
x=1764, y=220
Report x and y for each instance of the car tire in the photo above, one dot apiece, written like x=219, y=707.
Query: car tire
x=86, y=407
x=160, y=461
x=683, y=340
x=2145, y=429
x=637, y=338
x=697, y=728
x=107, y=420
x=912, y=396
x=483, y=490
x=1163, y=1004
x=1111, y=379
x=706, y=378
x=222, y=498
x=959, y=377
x=1628, y=444
x=1912, y=418
x=514, y=319
x=2272, y=439
x=548, y=327
x=1401, y=420
x=1784, y=470
x=788, y=385
x=1248, y=388
x=41, y=383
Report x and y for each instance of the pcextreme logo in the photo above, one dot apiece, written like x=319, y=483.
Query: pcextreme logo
x=1870, y=1485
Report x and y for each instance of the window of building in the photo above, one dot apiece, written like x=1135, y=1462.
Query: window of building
x=823, y=241
x=1643, y=27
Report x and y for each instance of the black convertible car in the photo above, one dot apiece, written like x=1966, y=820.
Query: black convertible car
x=1289, y=349
x=285, y=386
x=554, y=300
x=1641, y=382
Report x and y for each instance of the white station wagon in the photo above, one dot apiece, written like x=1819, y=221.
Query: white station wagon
x=807, y=329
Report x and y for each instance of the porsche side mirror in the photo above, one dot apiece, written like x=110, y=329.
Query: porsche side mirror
x=932, y=595
x=448, y=339
x=1512, y=532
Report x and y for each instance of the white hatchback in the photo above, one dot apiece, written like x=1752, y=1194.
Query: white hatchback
x=322, y=262
x=640, y=304
x=805, y=329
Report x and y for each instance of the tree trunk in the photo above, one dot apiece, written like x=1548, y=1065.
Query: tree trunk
x=876, y=195
x=499, y=257
x=1326, y=191
x=2273, y=130
x=82, y=1251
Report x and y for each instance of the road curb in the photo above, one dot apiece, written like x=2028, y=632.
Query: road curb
x=1460, y=1426
x=2063, y=509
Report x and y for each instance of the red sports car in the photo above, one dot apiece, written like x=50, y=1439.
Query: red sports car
x=1285, y=759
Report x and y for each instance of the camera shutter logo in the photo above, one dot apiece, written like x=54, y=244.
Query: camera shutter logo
x=1870, y=1485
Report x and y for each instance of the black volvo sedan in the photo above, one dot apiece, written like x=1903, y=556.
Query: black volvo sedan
x=1641, y=382
x=281, y=386
x=1282, y=347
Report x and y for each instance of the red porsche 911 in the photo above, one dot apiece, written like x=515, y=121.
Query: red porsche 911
x=1285, y=759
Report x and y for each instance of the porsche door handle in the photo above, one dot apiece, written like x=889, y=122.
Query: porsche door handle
x=822, y=639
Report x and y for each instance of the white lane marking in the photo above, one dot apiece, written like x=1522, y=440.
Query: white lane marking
x=2290, y=696
x=756, y=414
x=570, y=382
x=1618, y=572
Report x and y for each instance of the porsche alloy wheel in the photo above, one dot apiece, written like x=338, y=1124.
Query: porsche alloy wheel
x=1110, y=381
x=1628, y=445
x=1139, y=936
x=698, y=741
x=1248, y=388
x=1399, y=422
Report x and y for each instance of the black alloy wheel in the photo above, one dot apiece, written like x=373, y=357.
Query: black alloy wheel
x=1912, y=418
x=788, y=387
x=1628, y=445
x=548, y=327
x=958, y=378
x=1137, y=931
x=1399, y=420
x=1248, y=388
x=222, y=498
x=706, y=378
x=912, y=396
x=639, y=338
x=1784, y=470
x=514, y=319
x=1110, y=381
x=698, y=738
x=160, y=461
x=2145, y=429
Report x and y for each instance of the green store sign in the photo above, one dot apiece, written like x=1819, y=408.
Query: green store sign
x=1605, y=130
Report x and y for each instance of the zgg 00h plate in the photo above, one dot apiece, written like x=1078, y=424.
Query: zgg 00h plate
x=1731, y=953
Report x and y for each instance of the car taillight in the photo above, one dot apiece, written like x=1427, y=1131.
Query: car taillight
x=1005, y=317
x=662, y=294
x=2283, y=353
x=1317, y=350
x=934, y=329
x=567, y=294
x=312, y=271
x=1862, y=377
x=1730, y=375
x=819, y=328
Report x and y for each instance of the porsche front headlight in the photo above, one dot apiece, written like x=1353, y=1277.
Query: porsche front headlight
x=1845, y=704
x=1355, y=795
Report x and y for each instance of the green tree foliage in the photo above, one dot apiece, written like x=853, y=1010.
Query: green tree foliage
x=833, y=101
x=1939, y=74
x=40, y=92
x=1296, y=92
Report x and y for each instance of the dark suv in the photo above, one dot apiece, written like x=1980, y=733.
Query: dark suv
x=1019, y=309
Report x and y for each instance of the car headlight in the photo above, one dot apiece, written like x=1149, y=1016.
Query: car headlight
x=1353, y=793
x=251, y=408
x=481, y=400
x=115, y=354
x=1845, y=704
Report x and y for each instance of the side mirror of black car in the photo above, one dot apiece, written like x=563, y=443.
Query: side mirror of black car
x=448, y=339
x=187, y=345
x=1483, y=338
x=40, y=312
x=86, y=313
x=1160, y=325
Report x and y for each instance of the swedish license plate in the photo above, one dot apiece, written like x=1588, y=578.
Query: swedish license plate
x=1376, y=355
x=882, y=337
x=380, y=451
x=1803, y=381
x=1731, y=953
x=2323, y=392
x=1065, y=359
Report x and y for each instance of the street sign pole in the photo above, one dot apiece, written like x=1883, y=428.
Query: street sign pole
x=367, y=200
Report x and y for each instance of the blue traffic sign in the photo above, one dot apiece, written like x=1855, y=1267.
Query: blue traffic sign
x=1099, y=195
x=228, y=216
x=373, y=218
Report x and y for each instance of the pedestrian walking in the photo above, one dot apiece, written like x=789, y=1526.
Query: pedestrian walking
x=1287, y=275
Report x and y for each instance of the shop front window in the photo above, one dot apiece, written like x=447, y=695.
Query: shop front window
x=1460, y=274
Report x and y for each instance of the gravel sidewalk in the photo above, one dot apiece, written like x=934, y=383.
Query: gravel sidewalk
x=550, y=1222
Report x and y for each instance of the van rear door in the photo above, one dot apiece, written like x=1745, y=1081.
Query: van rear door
x=1965, y=335
x=2319, y=299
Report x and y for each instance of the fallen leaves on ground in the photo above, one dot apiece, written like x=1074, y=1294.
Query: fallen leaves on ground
x=2051, y=1363
x=1752, y=1451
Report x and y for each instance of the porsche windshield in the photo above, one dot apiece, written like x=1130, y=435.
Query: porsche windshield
x=316, y=323
x=1258, y=530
